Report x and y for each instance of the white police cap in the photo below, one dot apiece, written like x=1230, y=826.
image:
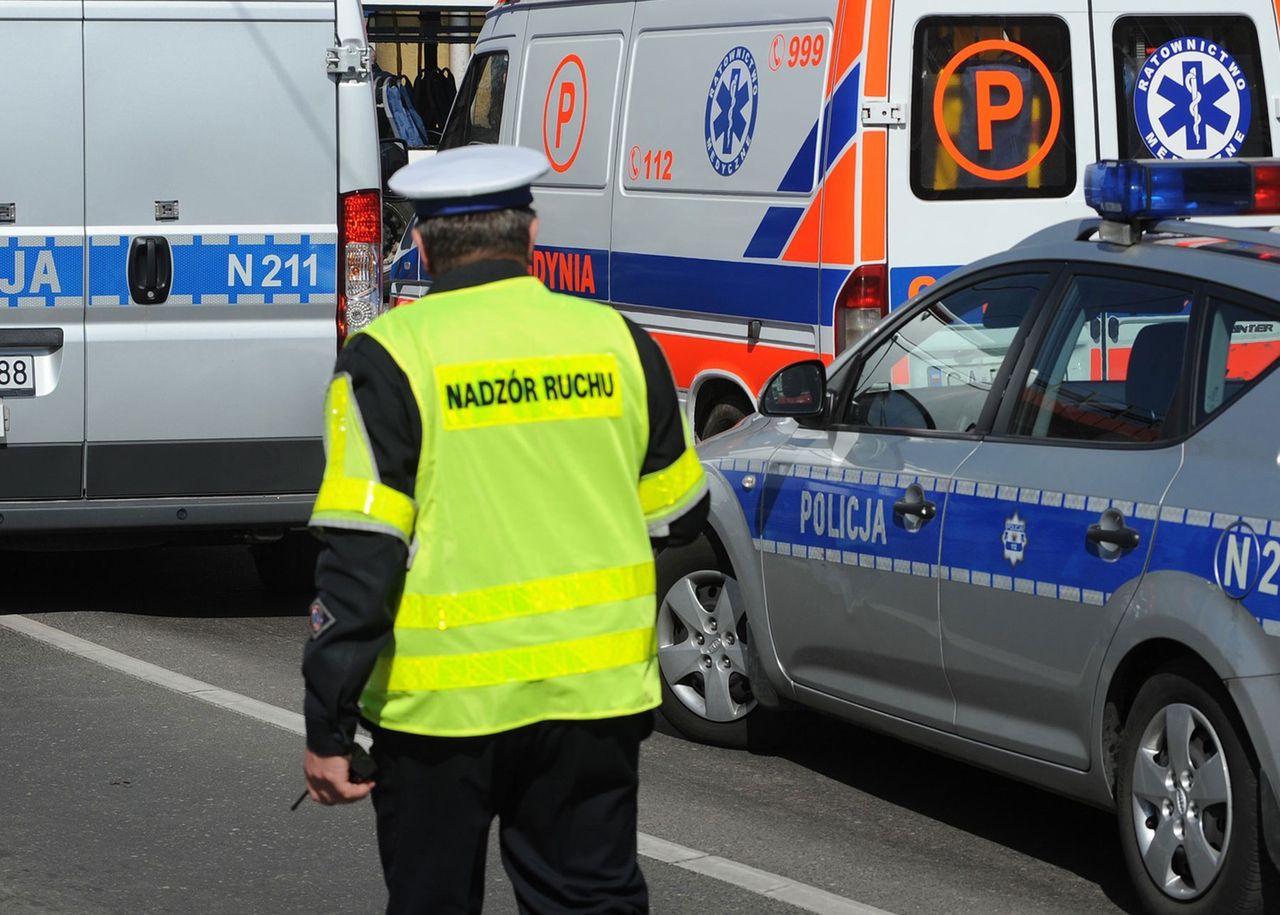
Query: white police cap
x=470, y=179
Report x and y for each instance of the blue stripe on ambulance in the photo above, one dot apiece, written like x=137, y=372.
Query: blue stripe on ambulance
x=41, y=271
x=238, y=269
x=857, y=528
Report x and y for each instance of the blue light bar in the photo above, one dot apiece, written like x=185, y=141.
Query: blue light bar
x=1128, y=190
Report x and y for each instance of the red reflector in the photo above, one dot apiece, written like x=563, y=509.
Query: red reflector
x=362, y=218
x=1266, y=189
x=865, y=289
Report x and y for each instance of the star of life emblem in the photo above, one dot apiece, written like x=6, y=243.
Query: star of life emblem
x=1014, y=539
x=1192, y=101
x=732, y=103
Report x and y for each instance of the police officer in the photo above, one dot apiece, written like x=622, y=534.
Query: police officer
x=500, y=460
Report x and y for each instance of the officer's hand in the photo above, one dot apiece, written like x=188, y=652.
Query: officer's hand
x=329, y=780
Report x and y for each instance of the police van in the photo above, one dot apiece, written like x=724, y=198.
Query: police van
x=189, y=224
x=754, y=180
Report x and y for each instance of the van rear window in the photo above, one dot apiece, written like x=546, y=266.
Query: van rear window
x=992, y=113
x=477, y=113
x=1190, y=87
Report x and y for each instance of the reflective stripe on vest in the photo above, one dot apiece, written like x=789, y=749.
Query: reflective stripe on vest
x=352, y=495
x=668, y=493
x=549, y=595
x=538, y=662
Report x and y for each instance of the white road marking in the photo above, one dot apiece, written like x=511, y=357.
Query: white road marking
x=752, y=879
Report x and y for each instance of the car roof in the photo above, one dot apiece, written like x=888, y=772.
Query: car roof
x=1242, y=257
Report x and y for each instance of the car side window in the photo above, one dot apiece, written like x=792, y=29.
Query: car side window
x=1242, y=343
x=476, y=117
x=935, y=372
x=1110, y=367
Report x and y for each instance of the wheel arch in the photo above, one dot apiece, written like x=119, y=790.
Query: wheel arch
x=712, y=386
x=1176, y=619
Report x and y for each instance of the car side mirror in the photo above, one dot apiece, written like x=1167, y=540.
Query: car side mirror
x=800, y=389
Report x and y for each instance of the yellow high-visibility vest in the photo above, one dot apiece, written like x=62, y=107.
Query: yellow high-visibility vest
x=530, y=591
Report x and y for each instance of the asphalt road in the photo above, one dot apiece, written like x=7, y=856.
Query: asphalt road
x=122, y=796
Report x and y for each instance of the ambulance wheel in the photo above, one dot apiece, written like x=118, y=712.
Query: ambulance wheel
x=705, y=654
x=1188, y=802
x=287, y=567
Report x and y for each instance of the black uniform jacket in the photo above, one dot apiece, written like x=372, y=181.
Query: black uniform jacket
x=360, y=575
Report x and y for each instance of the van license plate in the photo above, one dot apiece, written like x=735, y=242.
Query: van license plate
x=17, y=376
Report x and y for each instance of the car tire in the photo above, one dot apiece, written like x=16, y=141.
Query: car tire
x=706, y=655
x=287, y=567
x=1188, y=802
x=722, y=418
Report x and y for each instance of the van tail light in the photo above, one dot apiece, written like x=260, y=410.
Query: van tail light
x=863, y=301
x=359, y=261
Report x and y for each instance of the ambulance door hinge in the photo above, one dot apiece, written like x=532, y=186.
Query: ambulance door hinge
x=4, y=422
x=884, y=114
x=348, y=61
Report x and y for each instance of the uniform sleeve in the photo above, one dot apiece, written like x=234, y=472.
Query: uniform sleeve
x=673, y=488
x=365, y=514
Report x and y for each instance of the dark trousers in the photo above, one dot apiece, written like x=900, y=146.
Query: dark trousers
x=564, y=793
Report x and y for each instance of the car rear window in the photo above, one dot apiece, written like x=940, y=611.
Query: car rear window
x=992, y=112
x=1190, y=87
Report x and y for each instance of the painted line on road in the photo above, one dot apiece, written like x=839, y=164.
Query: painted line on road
x=752, y=879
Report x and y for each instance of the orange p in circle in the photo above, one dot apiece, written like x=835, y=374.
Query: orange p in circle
x=988, y=111
x=564, y=113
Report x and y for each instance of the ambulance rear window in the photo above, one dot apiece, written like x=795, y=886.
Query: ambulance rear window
x=992, y=113
x=477, y=112
x=1189, y=87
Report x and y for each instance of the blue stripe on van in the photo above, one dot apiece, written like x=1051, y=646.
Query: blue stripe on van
x=225, y=269
x=768, y=291
x=775, y=229
x=842, y=117
x=41, y=271
x=799, y=176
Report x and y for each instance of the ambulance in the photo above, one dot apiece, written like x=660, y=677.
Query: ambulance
x=757, y=182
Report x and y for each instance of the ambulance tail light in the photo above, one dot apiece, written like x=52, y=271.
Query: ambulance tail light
x=862, y=303
x=360, y=261
x=1129, y=190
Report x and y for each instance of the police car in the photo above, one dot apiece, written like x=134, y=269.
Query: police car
x=1031, y=522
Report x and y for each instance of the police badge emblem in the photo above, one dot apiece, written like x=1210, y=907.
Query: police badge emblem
x=1014, y=539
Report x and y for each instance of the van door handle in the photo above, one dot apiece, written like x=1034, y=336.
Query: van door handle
x=150, y=269
x=1124, y=538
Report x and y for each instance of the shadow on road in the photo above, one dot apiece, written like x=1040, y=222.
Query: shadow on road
x=1061, y=832
x=200, y=582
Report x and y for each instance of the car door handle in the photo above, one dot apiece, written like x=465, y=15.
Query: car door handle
x=1125, y=538
x=923, y=510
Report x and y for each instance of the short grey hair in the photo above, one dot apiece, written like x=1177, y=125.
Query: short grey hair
x=454, y=240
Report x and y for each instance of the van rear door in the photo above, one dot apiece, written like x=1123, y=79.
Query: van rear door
x=42, y=250
x=211, y=201
x=1176, y=81
x=993, y=128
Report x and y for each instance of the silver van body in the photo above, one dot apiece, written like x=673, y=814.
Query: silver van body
x=169, y=226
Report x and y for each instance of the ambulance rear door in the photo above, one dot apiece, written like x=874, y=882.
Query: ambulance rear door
x=211, y=202
x=42, y=250
x=990, y=122
x=1177, y=80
